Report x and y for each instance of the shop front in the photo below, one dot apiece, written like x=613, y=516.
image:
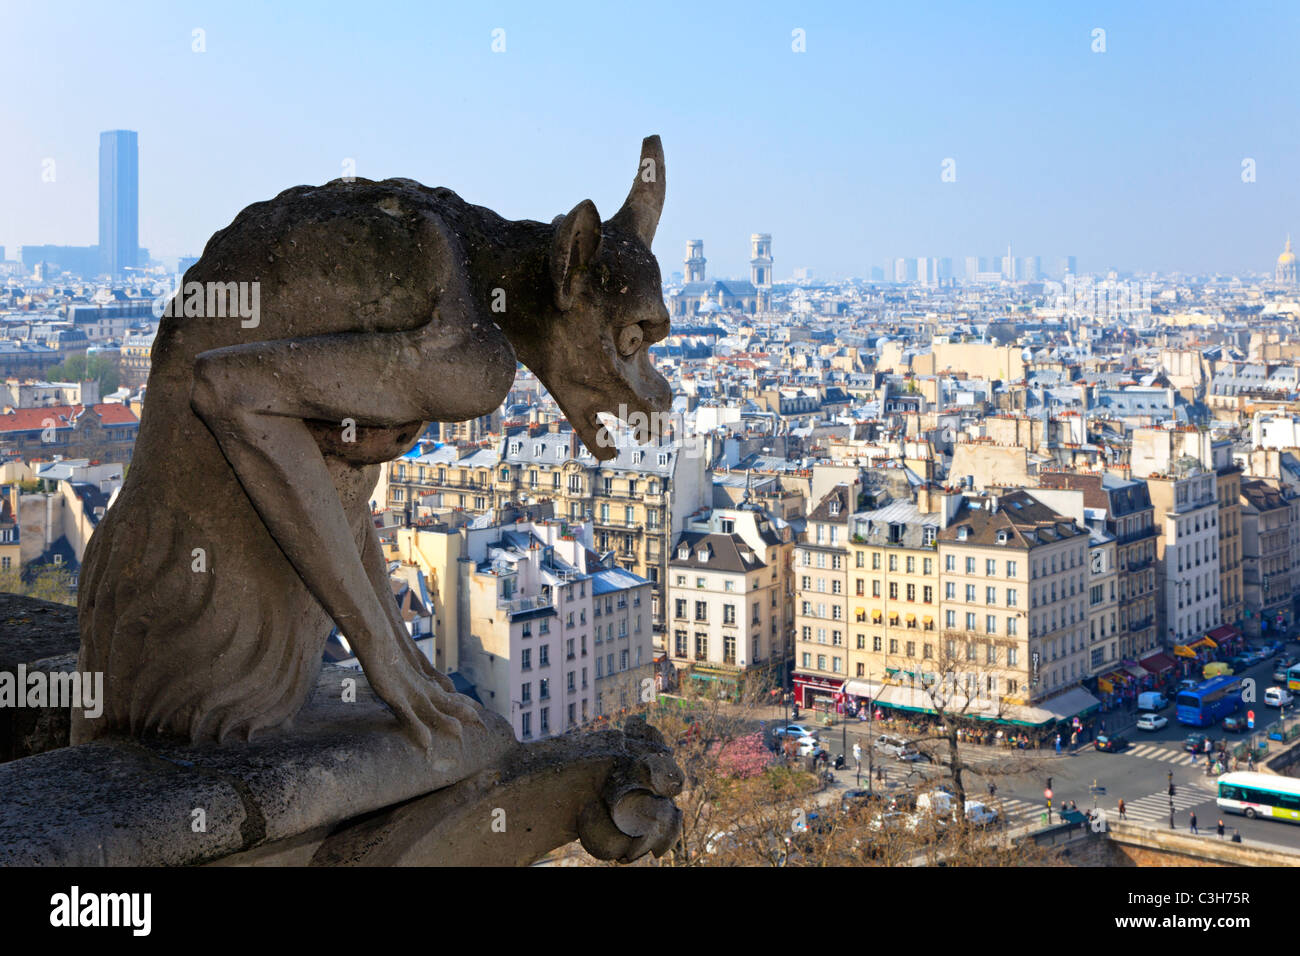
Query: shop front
x=1228, y=638
x=818, y=693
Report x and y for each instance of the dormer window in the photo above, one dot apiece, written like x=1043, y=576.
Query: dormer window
x=963, y=533
x=663, y=458
x=835, y=507
x=514, y=448
x=1002, y=536
x=684, y=552
x=537, y=451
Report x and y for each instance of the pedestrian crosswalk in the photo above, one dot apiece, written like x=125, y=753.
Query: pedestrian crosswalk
x=1153, y=808
x=1167, y=754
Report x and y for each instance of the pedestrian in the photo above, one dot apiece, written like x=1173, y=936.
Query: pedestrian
x=1058, y=745
x=1074, y=739
x=1171, y=818
x=1122, y=809
x=1220, y=829
x=1192, y=823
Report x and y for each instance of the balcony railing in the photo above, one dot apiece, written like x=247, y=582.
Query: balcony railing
x=521, y=604
x=1136, y=536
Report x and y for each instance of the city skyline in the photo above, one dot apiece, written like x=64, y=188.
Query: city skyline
x=1130, y=157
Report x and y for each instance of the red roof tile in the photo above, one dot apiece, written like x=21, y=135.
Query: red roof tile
x=31, y=419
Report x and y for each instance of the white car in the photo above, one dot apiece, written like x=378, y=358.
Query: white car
x=794, y=730
x=1278, y=697
x=808, y=746
x=979, y=814
x=1152, y=722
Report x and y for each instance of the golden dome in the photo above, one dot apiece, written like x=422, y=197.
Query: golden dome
x=1287, y=257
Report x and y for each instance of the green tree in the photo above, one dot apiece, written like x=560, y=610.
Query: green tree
x=80, y=368
x=52, y=583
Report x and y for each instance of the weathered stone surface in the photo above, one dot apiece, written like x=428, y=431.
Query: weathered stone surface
x=125, y=802
x=243, y=526
x=612, y=790
x=39, y=635
x=31, y=629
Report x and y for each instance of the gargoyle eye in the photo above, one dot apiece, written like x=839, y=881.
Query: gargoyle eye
x=629, y=340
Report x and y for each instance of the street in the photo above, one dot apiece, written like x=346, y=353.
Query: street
x=1139, y=775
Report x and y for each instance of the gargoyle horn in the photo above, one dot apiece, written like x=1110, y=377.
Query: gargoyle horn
x=645, y=201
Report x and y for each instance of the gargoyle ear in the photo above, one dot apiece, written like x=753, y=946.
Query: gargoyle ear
x=577, y=238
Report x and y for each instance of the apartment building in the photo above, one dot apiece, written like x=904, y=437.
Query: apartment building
x=733, y=566
x=636, y=501
x=459, y=478
x=1129, y=517
x=821, y=607
x=1103, y=599
x=621, y=640
x=549, y=637
x=1228, y=488
x=1187, y=553
x=1018, y=617
x=894, y=571
x=1266, y=556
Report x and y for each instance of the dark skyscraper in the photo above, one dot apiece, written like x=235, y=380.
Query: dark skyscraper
x=119, y=200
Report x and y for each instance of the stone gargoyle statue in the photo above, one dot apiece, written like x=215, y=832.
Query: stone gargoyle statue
x=243, y=527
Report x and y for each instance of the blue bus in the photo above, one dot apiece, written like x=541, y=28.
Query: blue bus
x=1210, y=702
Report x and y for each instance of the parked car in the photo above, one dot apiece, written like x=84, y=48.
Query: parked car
x=980, y=814
x=1278, y=697
x=1151, y=700
x=890, y=819
x=857, y=799
x=1195, y=743
x=809, y=746
x=897, y=747
x=1152, y=722
x=1283, y=665
x=1188, y=683
x=1234, y=725
x=1110, y=743
x=796, y=731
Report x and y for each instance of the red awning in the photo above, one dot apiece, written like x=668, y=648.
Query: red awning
x=1225, y=633
x=1158, y=663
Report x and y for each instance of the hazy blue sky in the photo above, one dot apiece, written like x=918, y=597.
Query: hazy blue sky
x=1129, y=158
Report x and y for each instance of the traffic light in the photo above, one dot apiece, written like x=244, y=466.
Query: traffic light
x=1049, y=784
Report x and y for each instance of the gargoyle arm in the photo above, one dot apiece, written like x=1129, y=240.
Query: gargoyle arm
x=255, y=398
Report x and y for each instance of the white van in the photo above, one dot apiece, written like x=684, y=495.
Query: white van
x=897, y=747
x=1151, y=700
x=943, y=806
x=1278, y=697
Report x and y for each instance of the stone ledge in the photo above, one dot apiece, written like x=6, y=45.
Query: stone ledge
x=342, y=786
x=122, y=802
x=1205, y=847
x=39, y=635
